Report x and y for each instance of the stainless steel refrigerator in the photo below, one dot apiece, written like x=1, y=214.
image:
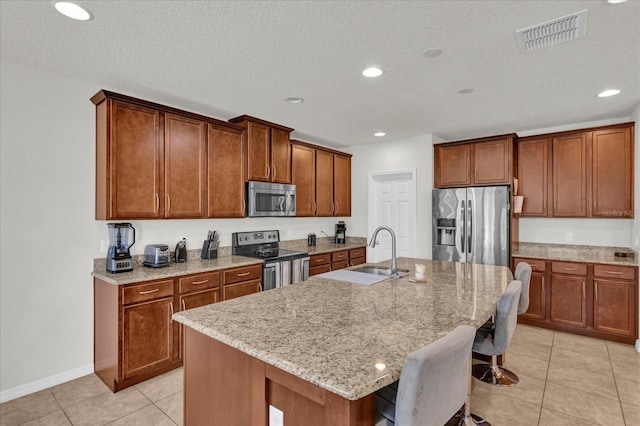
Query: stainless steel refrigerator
x=471, y=225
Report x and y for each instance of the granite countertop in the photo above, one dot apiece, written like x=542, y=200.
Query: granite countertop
x=348, y=338
x=576, y=253
x=195, y=264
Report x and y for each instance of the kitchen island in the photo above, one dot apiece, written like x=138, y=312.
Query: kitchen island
x=317, y=351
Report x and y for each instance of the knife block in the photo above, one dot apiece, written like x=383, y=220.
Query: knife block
x=209, y=250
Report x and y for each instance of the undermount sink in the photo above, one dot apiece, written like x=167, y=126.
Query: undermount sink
x=381, y=271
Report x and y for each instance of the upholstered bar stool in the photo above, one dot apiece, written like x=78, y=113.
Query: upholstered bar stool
x=432, y=385
x=523, y=274
x=494, y=342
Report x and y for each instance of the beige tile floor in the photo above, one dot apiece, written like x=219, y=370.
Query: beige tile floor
x=564, y=380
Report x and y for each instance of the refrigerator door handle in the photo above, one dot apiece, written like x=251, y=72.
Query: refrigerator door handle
x=464, y=221
x=470, y=226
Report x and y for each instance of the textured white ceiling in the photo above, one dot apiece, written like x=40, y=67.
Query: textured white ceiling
x=227, y=58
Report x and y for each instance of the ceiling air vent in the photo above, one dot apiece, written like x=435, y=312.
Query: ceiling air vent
x=553, y=32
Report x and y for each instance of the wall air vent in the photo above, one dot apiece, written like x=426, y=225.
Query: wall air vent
x=553, y=32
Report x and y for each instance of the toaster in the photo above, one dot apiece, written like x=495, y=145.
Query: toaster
x=156, y=255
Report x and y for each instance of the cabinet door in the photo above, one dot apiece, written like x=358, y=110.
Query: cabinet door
x=148, y=336
x=303, y=166
x=452, y=165
x=201, y=298
x=258, y=156
x=569, y=300
x=614, y=307
x=226, y=175
x=342, y=185
x=356, y=261
x=570, y=175
x=537, y=293
x=136, y=167
x=532, y=176
x=339, y=265
x=280, y=156
x=231, y=291
x=185, y=156
x=324, y=183
x=492, y=163
x=612, y=173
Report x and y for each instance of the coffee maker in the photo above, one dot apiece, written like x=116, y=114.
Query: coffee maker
x=341, y=231
x=121, y=237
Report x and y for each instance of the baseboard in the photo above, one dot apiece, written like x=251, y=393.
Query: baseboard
x=638, y=345
x=45, y=383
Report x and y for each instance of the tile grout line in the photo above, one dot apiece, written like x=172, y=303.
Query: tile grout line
x=615, y=382
x=546, y=377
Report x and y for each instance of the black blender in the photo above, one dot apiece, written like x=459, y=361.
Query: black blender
x=121, y=237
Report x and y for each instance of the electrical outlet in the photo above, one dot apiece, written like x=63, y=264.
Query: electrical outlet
x=104, y=246
x=568, y=236
x=276, y=417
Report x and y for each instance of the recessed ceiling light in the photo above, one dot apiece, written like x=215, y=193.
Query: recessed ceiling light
x=379, y=134
x=73, y=11
x=465, y=91
x=372, y=72
x=616, y=1
x=607, y=93
x=432, y=52
x=294, y=100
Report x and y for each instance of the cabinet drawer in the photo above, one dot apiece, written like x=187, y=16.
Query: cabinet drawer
x=357, y=252
x=319, y=259
x=199, y=282
x=198, y=299
x=569, y=268
x=338, y=256
x=246, y=273
x=537, y=265
x=240, y=289
x=146, y=291
x=614, y=271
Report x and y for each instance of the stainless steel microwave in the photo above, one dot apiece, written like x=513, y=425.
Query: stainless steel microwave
x=270, y=199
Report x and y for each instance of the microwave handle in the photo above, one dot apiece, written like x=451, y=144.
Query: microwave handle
x=290, y=203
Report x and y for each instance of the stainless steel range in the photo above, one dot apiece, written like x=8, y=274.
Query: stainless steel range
x=281, y=267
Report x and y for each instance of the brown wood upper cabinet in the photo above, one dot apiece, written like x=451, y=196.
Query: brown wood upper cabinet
x=475, y=162
x=323, y=180
x=267, y=148
x=584, y=173
x=226, y=172
x=151, y=160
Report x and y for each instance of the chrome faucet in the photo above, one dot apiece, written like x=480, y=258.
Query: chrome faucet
x=372, y=244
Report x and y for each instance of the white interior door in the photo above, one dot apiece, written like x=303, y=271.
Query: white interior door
x=392, y=203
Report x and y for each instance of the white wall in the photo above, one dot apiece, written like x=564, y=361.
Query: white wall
x=415, y=152
x=49, y=237
x=596, y=232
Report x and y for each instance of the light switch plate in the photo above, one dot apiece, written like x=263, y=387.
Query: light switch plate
x=276, y=417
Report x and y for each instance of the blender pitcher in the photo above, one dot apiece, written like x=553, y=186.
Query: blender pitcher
x=121, y=237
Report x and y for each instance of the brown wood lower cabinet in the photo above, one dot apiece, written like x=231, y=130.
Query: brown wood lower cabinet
x=332, y=261
x=594, y=300
x=135, y=337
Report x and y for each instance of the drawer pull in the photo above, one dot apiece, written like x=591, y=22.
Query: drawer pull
x=584, y=295
x=199, y=282
x=613, y=272
x=596, y=292
x=150, y=291
x=244, y=274
x=320, y=259
x=569, y=269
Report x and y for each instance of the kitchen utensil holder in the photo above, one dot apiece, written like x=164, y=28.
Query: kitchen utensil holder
x=209, y=249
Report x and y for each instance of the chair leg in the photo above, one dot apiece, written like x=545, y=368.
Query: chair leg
x=464, y=417
x=494, y=374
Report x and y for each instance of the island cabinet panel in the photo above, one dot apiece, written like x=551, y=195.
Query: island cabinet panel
x=267, y=149
x=303, y=176
x=570, y=175
x=533, y=160
x=185, y=145
x=612, y=175
x=225, y=173
x=537, y=288
x=215, y=397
